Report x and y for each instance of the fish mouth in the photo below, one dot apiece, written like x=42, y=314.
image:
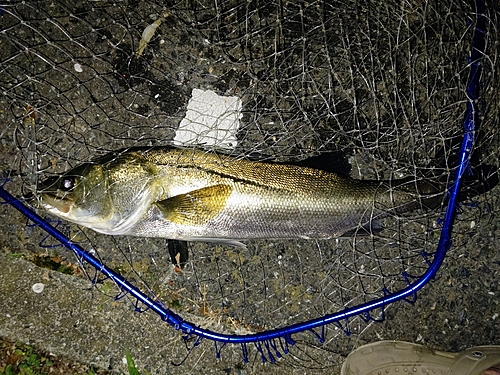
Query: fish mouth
x=52, y=201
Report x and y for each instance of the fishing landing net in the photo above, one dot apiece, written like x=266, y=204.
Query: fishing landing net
x=383, y=82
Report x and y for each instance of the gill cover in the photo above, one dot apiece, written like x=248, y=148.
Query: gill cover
x=79, y=195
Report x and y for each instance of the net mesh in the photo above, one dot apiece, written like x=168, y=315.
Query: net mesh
x=384, y=82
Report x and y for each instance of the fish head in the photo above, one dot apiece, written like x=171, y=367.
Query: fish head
x=79, y=195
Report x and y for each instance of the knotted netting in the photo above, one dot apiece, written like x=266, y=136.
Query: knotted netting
x=383, y=82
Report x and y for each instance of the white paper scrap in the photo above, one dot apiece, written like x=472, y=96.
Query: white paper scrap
x=211, y=119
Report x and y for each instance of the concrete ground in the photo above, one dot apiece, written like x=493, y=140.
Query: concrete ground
x=78, y=69
x=70, y=319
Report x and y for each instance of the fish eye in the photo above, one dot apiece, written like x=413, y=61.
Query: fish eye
x=68, y=183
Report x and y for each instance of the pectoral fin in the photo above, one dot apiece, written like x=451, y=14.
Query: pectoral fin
x=196, y=207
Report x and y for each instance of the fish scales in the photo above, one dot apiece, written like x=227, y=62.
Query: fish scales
x=267, y=200
x=197, y=195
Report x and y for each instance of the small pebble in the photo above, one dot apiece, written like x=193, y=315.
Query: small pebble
x=38, y=287
x=78, y=68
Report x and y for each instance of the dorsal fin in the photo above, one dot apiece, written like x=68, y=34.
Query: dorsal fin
x=333, y=162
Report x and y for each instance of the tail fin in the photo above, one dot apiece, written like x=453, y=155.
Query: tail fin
x=478, y=180
x=479, y=177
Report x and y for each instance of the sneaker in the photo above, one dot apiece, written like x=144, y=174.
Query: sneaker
x=404, y=358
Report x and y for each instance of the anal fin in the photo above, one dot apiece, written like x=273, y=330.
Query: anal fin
x=373, y=227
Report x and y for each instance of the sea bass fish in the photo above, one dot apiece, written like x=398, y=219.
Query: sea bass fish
x=195, y=195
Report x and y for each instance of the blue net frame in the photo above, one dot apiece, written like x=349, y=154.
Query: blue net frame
x=274, y=343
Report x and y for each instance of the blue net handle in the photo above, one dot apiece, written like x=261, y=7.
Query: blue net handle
x=267, y=338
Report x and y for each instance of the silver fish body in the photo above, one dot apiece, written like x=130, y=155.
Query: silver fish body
x=196, y=195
